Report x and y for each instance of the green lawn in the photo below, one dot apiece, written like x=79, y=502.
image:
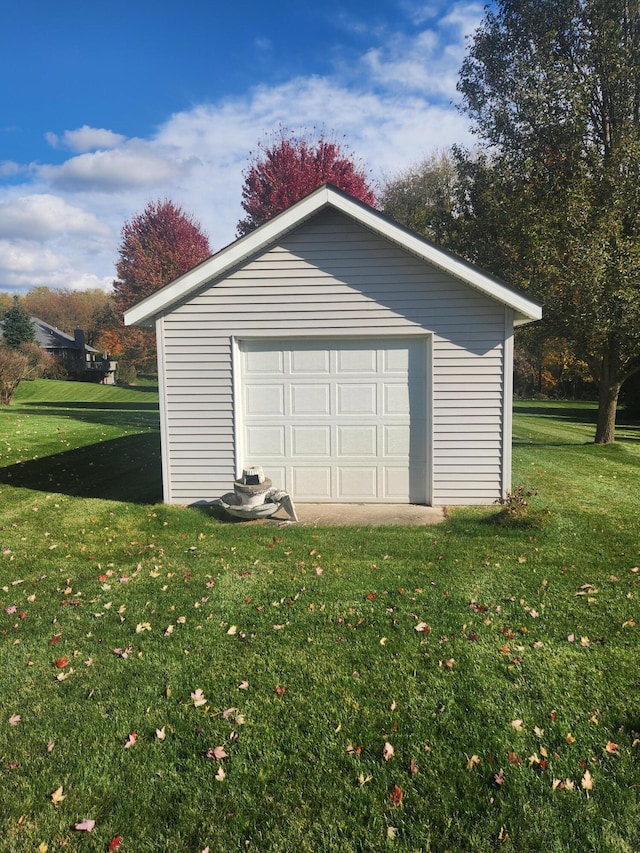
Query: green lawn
x=189, y=683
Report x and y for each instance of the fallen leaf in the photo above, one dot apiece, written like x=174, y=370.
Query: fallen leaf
x=50, y=746
x=57, y=796
x=392, y=832
x=220, y=775
x=471, y=762
x=499, y=777
x=396, y=796
x=362, y=779
x=14, y=719
x=217, y=753
x=569, y=738
x=387, y=751
x=587, y=781
x=517, y=725
x=422, y=628
x=114, y=844
x=85, y=825
x=280, y=690
x=131, y=740
x=232, y=630
x=612, y=748
x=198, y=698
x=62, y=662
x=538, y=731
x=161, y=733
x=244, y=685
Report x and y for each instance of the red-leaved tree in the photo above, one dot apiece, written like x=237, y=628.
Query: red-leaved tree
x=289, y=168
x=158, y=245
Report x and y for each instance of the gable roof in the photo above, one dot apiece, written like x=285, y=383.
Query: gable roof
x=48, y=337
x=328, y=196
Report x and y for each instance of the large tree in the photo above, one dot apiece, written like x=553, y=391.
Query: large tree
x=553, y=89
x=158, y=245
x=289, y=167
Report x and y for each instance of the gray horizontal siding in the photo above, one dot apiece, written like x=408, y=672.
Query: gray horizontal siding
x=333, y=277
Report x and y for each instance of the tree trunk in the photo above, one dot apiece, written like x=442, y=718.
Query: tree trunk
x=607, y=407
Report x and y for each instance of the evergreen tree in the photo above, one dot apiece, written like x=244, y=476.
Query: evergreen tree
x=17, y=326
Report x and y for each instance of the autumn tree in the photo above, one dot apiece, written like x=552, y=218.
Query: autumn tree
x=68, y=310
x=159, y=245
x=553, y=90
x=288, y=167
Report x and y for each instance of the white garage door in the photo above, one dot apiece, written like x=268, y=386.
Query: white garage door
x=341, y=420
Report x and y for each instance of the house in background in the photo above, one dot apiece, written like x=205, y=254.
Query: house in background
x=350, y=358
x=80, y=360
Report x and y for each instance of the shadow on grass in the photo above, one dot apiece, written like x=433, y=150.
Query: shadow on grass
x=559, y=413
x=123, y=469
x=109, y=414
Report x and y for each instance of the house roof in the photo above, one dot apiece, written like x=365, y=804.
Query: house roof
x=48, y=337
x=328, y=196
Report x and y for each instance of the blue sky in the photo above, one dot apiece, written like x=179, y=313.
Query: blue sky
x=108, y=105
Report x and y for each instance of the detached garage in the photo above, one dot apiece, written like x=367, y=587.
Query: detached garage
x=351, y=359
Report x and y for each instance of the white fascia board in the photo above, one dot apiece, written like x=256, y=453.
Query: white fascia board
x=226, y=258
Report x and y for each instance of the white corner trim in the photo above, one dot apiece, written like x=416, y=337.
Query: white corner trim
x=162, y=399
x=507, y=403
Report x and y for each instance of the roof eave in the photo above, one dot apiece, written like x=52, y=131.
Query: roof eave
x=145, y=312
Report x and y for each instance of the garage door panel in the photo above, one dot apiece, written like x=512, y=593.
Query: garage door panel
x=311, y=483
x=357, y=441
x=397, y=440
x=336, y=419
x=395, y=399
x=357, y=361
x=265, y=441
x=396, y=482
x=264, y=362
x=357, y=483
x=395, y=360
x=310, y=441
x=264, y=399
x=356, y=399
x=310, y=399
x=310, y=361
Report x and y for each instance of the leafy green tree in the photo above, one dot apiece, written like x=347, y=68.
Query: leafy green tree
x=554, y=93
x=17, y=327
x=423, y=197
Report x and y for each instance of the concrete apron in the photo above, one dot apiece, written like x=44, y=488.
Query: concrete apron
x=361, y=515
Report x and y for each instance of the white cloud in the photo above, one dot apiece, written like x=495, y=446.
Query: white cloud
x=42, y=216
x=85, y=139
x=136, y=163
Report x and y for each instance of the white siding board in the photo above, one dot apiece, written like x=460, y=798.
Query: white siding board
x=331, y=276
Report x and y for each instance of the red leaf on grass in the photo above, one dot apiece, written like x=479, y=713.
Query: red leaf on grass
x=62, y=662
x=55, y=639
x=114, y=844
x=396, y=795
